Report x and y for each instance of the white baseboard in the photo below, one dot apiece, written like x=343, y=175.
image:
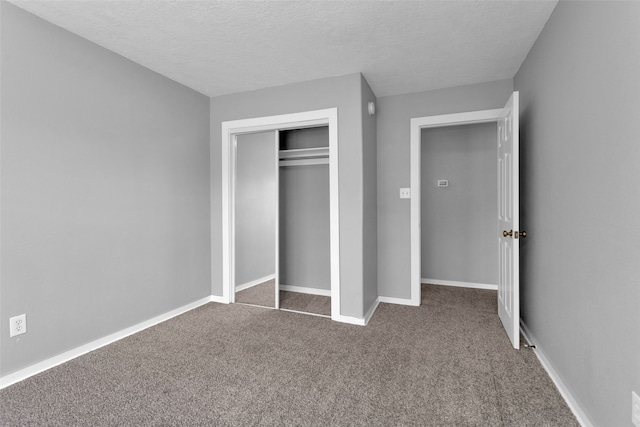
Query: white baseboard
x=306, y=313
x=400, y=301
x=573, y=404
x=306, y=290
x=416, y=302
x=360, y=321
x=372, y=309
x=253, y=283
x=36, y=368
x=460, y=284
x=219, y=299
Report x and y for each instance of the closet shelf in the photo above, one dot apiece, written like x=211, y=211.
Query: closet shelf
x=304, y=153
x=305, y=162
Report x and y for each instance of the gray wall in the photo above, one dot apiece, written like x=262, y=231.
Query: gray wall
x=105, y=191
x=255, y=205
x=342, y=92
x=580, y=181
x=395, y=113
x=459, y=223
x=312, y=137
x=305, y=253
x=304, y=227
x=370, y=194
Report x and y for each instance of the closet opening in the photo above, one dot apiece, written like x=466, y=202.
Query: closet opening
x=304, y=222
x=281, y=213
x=281, y=223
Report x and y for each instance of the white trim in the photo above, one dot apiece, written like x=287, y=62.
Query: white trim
x=573, y=404
x=467, y=118
x=256, y=305
x=306, y=290
x=218, y=299
x=253, y=283
x=350, y=320
x=416, y=125
x=36, y=368
x=305, y=312
x=286, y=121
x=334, y=213
x=372, y=309
x=459, y=284
x=304, y=162
x=276, y=237
x=399, y=301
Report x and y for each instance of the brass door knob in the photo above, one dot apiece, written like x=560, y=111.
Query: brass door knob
x=506, y=233
x=523, y=234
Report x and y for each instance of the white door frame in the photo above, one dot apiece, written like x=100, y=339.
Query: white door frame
x=417, y=124
x=276, y=154
x=230, y=129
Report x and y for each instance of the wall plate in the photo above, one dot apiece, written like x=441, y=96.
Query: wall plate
x=17, y=325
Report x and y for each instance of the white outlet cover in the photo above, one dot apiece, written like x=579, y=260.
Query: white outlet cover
x=635, y=409
x=17, y=325
x=405, y=193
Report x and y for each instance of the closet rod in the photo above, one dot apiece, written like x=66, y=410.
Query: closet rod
x=303, y=153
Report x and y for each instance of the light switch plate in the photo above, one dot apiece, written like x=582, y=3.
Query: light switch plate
x=405, y=193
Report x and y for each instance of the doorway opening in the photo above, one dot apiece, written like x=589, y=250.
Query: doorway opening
x=459, y=206
x=507, y=247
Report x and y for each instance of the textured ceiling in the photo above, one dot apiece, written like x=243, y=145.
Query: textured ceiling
x=220, y=47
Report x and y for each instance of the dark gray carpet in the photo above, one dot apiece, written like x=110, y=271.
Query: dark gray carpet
x=263, y=294
x=446, y=363
x=316, y=304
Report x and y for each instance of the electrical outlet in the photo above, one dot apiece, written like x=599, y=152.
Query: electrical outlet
x=17, y=325
x=635, y=409
x=405, y=193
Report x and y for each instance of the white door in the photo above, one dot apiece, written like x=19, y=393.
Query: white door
x=277, y=216
x=508, y=221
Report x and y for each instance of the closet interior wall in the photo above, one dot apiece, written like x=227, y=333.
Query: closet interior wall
x=304, y=211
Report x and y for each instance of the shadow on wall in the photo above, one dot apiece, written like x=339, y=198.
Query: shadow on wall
x=525, y=171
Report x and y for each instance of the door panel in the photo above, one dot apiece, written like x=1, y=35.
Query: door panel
x=255, y=202
x=276, y=237
x=508, y=220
